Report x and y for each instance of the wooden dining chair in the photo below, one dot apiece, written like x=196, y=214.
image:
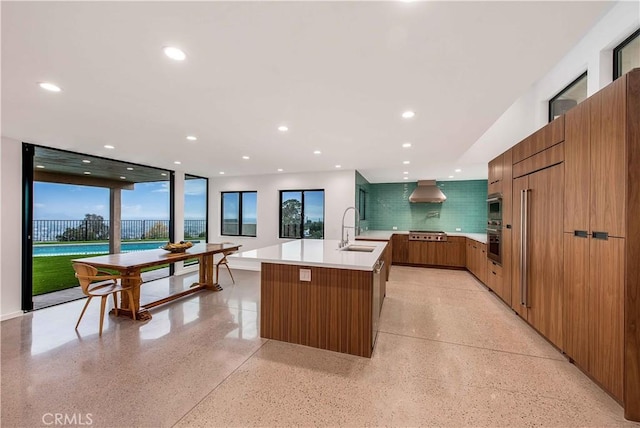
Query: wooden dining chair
x=225, y=262
x=96, y=283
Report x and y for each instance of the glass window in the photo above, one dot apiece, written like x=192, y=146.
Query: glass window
x=239, y=213
x=627, y=55
x=362, y=204
x=569, y=97
x=302, y=214
x=195, y=208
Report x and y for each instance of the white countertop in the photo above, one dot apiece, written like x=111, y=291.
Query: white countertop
x=386, y=235
x=316, y=252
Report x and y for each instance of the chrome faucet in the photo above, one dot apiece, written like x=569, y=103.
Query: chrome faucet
x=355, y=227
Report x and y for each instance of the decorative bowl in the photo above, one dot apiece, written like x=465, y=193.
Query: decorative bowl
x=180, y=247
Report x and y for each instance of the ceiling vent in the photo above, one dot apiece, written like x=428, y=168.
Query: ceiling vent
x=427, y=191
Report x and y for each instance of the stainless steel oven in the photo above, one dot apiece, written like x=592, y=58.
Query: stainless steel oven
x=494, y=244
x=494, y=227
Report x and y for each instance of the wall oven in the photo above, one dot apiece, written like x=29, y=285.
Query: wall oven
x=494, y=227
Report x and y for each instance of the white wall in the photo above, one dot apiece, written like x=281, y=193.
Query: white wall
x=10, y=228
x=594, y=54
x=339, y=193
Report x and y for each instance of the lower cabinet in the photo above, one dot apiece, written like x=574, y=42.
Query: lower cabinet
x=400, y=249
x=476, y=259
x=594, y=308
x=495, y=278
x=450, y=253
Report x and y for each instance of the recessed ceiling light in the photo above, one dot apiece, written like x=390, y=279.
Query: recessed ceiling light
x=86, y=161
x=164, y=174
x=221, y=173
x=174, y=53
x=40, y=166
x=129, y=168
x=109, y=146
x=405, y=178
x=451, y=176
x=458, y=170
x=408, y=114
x=406, y=145
x=283, y=128
x=191, y=138
x=49, y=86
x=338, y=166
x=406, y=162
x=246, y=157
x=122, y=177
x=87, y=172
x=406, y=172
x=280, y=169
x=177, y=162
x=317, y=152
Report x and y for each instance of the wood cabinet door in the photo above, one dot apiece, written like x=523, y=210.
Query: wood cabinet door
x=577, y=167
x=455, y=251
x=399, y=248
x=416, y=252
x=469, y=255
x=507, y=254
x=507, y=187
x=606, y=310
x=545, y=257
x=608, y=171
x=575, y=312
x=517, y=298
x=482, y=262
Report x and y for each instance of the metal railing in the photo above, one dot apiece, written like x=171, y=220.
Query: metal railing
x=98, y=230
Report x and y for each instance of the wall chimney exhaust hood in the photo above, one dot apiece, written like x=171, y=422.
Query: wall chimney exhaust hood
x=427, y=191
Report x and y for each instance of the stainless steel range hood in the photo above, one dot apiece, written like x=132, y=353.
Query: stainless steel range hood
x=427, y=191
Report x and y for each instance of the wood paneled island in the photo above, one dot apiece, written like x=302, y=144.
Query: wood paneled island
x=315, y=294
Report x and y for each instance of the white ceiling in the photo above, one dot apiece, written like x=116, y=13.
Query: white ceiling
x=338, y=74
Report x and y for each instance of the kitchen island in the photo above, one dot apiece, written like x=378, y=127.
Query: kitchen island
x=315, y=294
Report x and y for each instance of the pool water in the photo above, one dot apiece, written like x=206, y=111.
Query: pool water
x=98, y=248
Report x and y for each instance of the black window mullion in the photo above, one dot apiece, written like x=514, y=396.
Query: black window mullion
x=240, y=212
x=302, y=215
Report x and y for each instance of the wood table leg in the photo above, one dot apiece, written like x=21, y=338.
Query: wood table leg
x=132, y=279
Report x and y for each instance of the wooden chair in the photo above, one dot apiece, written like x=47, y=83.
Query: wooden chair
x=225, y=262
x=98, y=283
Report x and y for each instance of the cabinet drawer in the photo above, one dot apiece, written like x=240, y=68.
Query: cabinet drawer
x=494, y=268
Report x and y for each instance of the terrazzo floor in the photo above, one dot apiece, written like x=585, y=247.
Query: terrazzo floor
x=449, y=353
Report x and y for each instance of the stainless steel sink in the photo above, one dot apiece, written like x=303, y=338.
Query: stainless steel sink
x=359, y=248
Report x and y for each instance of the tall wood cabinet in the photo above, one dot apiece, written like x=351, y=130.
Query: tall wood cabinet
x=537, y=279
x=595, y=229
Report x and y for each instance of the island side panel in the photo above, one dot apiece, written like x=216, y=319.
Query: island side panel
x=332, y=311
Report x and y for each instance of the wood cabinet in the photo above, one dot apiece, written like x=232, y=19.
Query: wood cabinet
x=400, y=249
x=476, y=259
x=494, y=277
x=494, y=181
x=594, y=262
x=507, y=187
x=544, y=138
x=450, y=253
x=537, y=268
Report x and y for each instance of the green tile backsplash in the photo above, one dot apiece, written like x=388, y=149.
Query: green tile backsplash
x=465, y=208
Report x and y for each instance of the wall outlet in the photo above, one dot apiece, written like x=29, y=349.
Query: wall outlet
x=395, y=227
x=305, y=275
x=458, y=229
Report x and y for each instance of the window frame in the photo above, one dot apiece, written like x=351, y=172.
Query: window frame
x=240, y=214
x=562, y=92
x=616, y=53
x=206, y=206
x=362, y=203
x=302, y=192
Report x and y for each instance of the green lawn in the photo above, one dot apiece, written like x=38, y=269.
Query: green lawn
x=54, y=273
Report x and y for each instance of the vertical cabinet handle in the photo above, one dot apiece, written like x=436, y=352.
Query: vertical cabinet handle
x=524, y=226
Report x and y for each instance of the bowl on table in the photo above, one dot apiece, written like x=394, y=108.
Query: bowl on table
x=178, y=247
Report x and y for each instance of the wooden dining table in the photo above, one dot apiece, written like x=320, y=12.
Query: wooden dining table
x=130, y=266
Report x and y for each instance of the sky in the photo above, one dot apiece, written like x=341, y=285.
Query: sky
x=52, y=201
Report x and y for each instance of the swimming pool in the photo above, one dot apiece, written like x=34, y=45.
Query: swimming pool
x=97, y=248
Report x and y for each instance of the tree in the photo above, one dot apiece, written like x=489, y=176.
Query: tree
x=159, y=230
x=291, y=218
x=92, y=228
